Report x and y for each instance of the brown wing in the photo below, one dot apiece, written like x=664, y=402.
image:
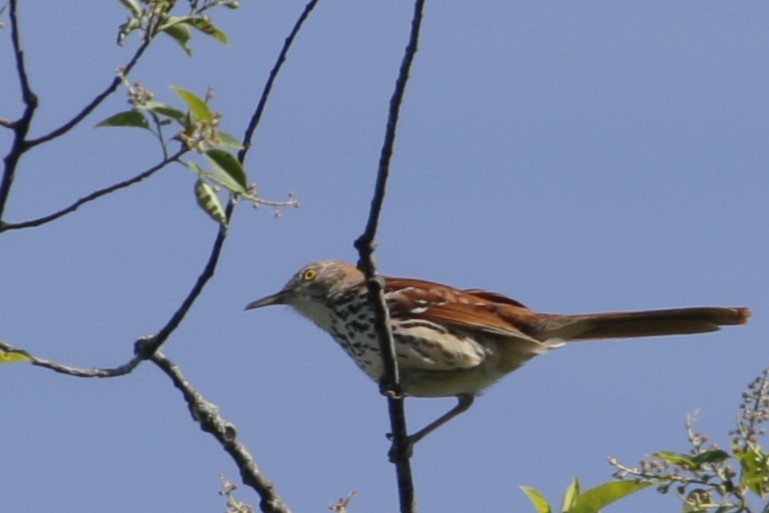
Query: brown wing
x=469, y=310
x=476, y=310
x=494, y=297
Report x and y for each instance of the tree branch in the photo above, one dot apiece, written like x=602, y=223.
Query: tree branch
x=21, y=126
x=94, y=195
x=366, y=244
x=111, y=88
x=207, y=415
x=77, y=372
x=257, y=117
x=147, y=346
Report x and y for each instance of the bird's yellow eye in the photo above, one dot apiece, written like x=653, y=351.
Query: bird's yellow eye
x=309, y=275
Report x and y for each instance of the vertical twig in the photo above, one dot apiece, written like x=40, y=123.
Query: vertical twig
x=365, y=244
x=20, y=126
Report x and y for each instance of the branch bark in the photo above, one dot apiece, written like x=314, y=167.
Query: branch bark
x=257, y=116
x=207, y=415
x=93, y=196
x=366, y=245
x=21, y=126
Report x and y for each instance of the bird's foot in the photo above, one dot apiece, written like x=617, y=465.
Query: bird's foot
x=396, y=453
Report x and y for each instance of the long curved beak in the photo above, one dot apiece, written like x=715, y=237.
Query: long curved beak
x=278, y=298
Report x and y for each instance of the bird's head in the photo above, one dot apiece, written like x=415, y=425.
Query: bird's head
x=310, y=289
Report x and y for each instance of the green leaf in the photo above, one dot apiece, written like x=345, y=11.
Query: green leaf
x=571, y=495
x=209, y=202
x=595, y=499
x=132, y=6
x=690, y=462
x=197, y=106
x=181, y=34
x=166, y=110
x=676, y=458
x=132, y=118
x=711, y=456
x=227, y=164
x=126, y=28
x=205, y=26
x=13, y=357
x=535, y=496
x=198, y=170
x=755, y=471
x=217, y=176
x=228, y=141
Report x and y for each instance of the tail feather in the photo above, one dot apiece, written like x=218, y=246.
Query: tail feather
x=677, y=321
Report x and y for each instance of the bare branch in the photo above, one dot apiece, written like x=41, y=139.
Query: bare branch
x=256, y=118
x=365, y=244
x=207, y=415
x=77, y=372
x=111, y=88
x=21, y=68
x=21, y=126
x=146, y=347
x=93, y=196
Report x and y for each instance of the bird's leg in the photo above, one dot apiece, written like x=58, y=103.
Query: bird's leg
x=464, y=401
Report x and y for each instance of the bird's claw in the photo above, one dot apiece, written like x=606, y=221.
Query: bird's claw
x=406, y=452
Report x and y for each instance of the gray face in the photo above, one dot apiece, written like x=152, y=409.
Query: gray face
x=313, y=283
x=311, y=290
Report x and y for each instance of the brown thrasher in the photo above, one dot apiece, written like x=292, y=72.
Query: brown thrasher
x=451, y=342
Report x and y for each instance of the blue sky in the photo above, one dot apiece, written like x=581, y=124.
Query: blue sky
x=578, y=157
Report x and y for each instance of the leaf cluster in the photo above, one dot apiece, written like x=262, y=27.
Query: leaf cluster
x=706, y=479
x=197, y=128
x=152, y=17
x=709, y=479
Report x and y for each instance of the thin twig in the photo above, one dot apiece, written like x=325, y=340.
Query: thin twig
x=366, y=245
x=256, y=118
x=26, y=89
x=147, y=346
x=21, y=126
x=77, y=372
x=211, y=421
x=94, y=195
x=204, y=412
x=111, y=88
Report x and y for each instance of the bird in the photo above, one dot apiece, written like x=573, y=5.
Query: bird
x=452, y=342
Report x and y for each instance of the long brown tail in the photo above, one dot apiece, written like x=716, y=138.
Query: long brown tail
x=677, y=321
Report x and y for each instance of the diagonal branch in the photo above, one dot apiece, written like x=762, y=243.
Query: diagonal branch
x=21, y=126
x=207, y=415
x=365, y=244
x=94, y=195
x=147, y=346
x=111, y=88
x=257, y=117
